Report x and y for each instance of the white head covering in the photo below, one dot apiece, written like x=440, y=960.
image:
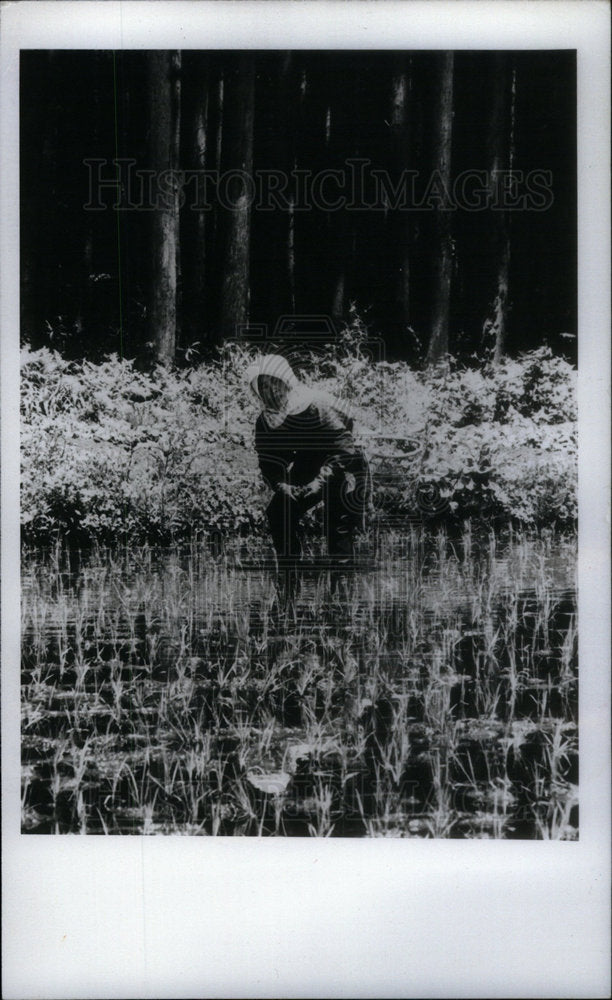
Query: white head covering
x=300, y=396
x=278, y=367
x=271, y=364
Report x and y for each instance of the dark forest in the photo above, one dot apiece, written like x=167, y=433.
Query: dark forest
x=449, y=225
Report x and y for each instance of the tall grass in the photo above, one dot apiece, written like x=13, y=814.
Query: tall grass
x=429, y=692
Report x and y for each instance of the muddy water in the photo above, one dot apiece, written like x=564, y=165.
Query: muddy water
x=464, y=652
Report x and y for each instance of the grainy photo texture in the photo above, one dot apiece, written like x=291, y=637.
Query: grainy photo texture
x=298, y=435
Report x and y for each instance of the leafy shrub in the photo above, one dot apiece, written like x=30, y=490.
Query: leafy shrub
x=110, y=452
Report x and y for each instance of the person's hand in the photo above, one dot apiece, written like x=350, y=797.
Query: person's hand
x=311, y=489
x=287, y=490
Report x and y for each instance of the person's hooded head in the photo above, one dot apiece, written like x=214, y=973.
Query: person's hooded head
x=281, y=393
x=277, y=388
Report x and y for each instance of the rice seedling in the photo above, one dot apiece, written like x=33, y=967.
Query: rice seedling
x=431, y=692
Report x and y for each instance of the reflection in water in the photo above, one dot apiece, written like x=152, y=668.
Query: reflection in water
x=429, y=691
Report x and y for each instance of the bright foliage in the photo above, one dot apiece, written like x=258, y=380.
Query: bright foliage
x=112, y=453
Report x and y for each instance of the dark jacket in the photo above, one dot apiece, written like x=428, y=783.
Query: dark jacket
x=308, y=447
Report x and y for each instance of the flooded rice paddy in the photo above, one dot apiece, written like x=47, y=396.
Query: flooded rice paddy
x=428, y=690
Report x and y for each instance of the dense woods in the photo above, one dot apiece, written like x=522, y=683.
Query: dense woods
x=433, y=193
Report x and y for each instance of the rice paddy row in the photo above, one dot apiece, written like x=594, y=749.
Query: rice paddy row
x=429, y=692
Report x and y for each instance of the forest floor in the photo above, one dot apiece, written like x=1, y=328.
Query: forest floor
x=428, y=691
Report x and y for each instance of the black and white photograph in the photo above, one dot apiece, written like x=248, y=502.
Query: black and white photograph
x=298, y=499
x=299, y=343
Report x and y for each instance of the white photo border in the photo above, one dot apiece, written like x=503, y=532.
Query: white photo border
x=204, y=917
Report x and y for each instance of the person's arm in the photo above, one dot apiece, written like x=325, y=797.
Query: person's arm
x=272, y=461
x=338, y=444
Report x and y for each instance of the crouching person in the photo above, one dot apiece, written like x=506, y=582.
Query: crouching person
x=307, y=456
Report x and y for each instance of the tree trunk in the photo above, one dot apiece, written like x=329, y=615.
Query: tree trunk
x=163, y=91
x=200, y=125
x=236, y=193
x=290, y=83
x=291, y=255
x=213, y=266
x=500, y=155
x=438, y=344
x=194, y=220
x=402, y=222
x=341, y=143
x=277, y=227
